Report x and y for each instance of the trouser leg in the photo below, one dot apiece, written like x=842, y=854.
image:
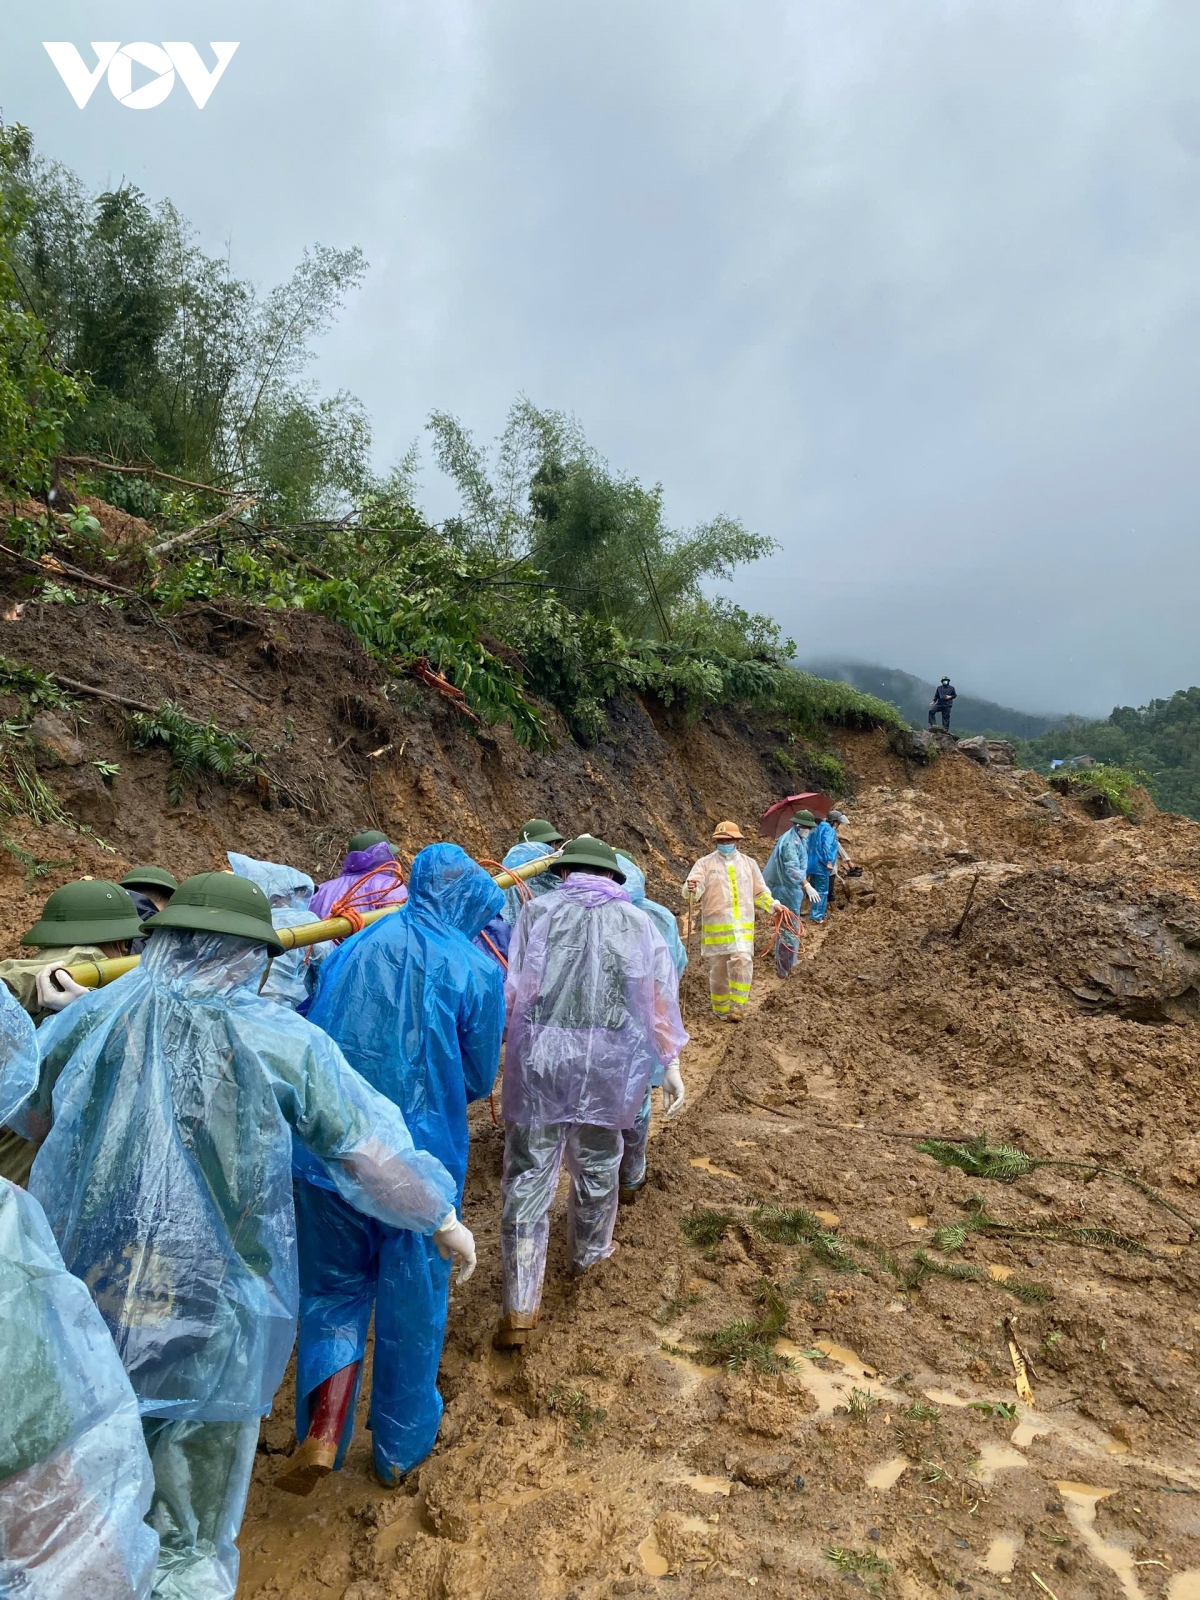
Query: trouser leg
x=820, y=882
x=635, y=1139
x=410, y=1329
x=532, y=1161
x=717, y=962
x=594, y=1162
x=787, y=948
x=945, y=719
x=932, y=716
x=741, y=976
x=201, y=1480
x=338, y=1251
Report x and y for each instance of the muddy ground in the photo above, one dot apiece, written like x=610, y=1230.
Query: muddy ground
x=888, y=1448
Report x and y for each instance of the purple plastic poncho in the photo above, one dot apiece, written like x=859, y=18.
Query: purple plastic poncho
x=593, y=1005
x=368, y=877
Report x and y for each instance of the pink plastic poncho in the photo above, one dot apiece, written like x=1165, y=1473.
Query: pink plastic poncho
x=593, y=1005
x=368, y=877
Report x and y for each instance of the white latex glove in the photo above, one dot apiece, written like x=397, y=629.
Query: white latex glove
x=673, y=1094
x=455, y=1240
x=812, y=894
x=56, y=988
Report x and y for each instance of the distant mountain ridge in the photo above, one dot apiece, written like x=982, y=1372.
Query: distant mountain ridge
x=912, y=695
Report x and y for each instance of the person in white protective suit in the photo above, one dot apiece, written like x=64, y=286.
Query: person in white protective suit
x=593, y=1010
x=75, y=1479
x=727, y=888
x=167, y=1103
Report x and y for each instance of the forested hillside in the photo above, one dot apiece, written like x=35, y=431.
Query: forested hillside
x=912, y=695
x=139, y=370
x=1160, y=741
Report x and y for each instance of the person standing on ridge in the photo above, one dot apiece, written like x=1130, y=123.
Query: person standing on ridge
x=787, y=874
x=593, y=1011
x=943, y=700
x=727, y=886
x=419, y=1012
x=536, y=839
x=370, y=878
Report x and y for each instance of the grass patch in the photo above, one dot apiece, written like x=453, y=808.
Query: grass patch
x=995, y=1408
x=1118, y=785
x=573, y=1406
x=196, y=749
x=861, y=1404
x=794, y=1225
x=672, y=1310
x=704, y=1229
x=749, y=1342
x=923, y=1411
x=865, y=1565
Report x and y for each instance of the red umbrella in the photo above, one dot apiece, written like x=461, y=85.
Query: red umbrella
x=777, y=819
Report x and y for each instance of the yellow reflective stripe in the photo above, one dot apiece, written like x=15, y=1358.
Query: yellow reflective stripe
x=739, y=988
x=731, y=869
x=741, y=999
x=763, y=901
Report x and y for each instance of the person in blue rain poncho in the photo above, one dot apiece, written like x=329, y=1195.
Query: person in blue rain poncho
x=536, y=839
x=419, y=1011
x=75, y=1479
x=167, y=1103
x=292, y=979
x=636, y=1138
x=787, y=876
x=822, y=863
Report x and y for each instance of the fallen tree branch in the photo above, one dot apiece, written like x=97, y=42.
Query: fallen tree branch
x=962, y=921
x=76, y=687
x=146, y=472
x=177, y=540
x=53, y=567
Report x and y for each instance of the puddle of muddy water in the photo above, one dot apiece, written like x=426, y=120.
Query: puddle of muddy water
x=1080, y=1501
x=1184, y=1586
x=887, y=1473
x=704, y=1164
x=994, y=1458
x=653, y=1561
x=830, y=1389
x=829, y=1218
x=917, y=1223
x=1001, y=1556
x=705, y=1485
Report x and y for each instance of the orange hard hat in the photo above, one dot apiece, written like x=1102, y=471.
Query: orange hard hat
x=727, y=830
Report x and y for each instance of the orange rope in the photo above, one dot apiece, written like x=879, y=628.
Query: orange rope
x=785, y=921
x=524, y=892
x=494, y=948
x=358, y=897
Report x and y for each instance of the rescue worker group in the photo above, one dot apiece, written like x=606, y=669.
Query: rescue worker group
x=236, y=1148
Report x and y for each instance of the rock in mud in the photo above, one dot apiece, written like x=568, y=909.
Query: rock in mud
x=975, y=749
x=55, y=742
x=761, y=1471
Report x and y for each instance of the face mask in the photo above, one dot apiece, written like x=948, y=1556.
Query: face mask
x=727, y=849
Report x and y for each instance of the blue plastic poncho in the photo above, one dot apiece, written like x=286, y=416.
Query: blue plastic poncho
x=663, y=919
x=419, y=1010
x=520, y=855
x=75, y=1479
x=593, y=1003
x=786, y=870
x=822, y=845
x=166, y=1176
x=292, y=978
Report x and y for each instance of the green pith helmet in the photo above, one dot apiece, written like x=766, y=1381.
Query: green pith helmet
x=588, y=852
x=804, y=819
x=92, y=911
x=150, y=878
x=364, y=841
x=539, y=831
x=219, y=902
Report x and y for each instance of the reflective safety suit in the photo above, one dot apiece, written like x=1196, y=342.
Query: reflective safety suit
x=593, y=1001
x=786, y=872
x=636, y=1138
x=75, y=1479
x=418, y=1009
x=728, y=888
x=166, y=1178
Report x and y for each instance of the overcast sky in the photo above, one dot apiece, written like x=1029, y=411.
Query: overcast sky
x=910, y=285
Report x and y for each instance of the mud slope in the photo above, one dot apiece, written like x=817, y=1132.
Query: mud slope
x=611, y=1459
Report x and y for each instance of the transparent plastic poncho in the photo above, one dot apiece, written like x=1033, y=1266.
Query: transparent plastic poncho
x=166, y=1175
x=75, y=1479
x=663, y=919
x=292, y=977
x=593, y=1006
x=786, y=870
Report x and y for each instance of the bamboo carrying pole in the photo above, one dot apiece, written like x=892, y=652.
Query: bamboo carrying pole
x=95, y=974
